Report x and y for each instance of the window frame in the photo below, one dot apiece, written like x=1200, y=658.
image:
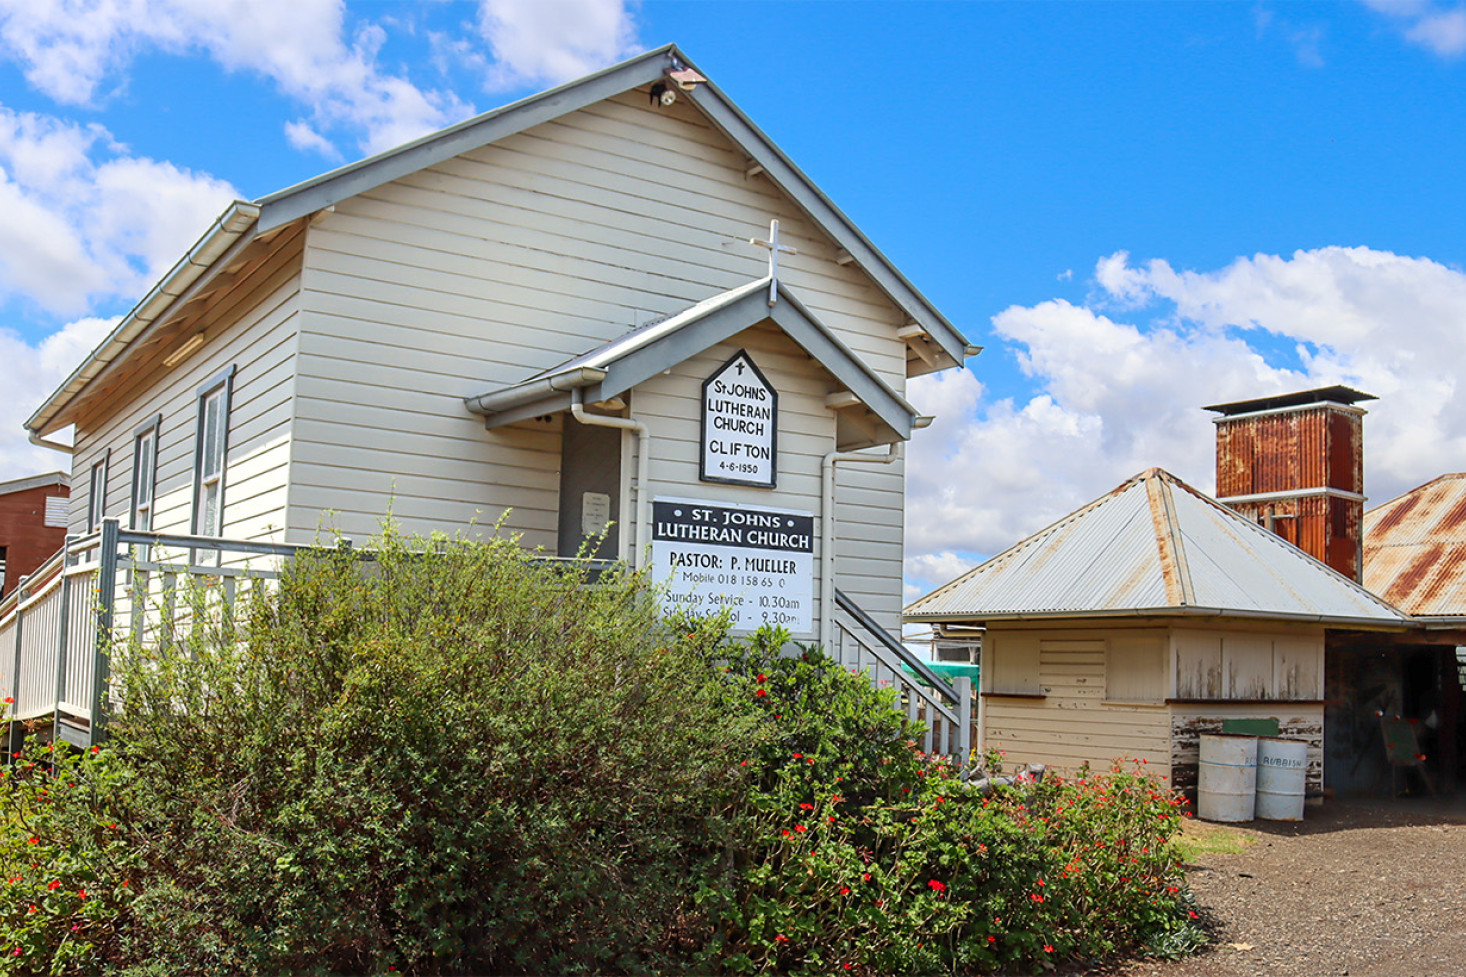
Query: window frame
x=97, y=491
x=205, y=478
x=142, y=435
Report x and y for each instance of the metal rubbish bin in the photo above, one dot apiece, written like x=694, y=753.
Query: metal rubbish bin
x=1226, y=788
x=1282, y=766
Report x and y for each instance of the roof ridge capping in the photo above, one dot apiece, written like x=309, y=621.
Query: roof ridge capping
x=1174, y=524
x=1283, y=545
x=1033, y=539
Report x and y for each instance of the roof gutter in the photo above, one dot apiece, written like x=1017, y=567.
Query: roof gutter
x=41, y=442
x=1371, y=624
x=225, y=233
x=498, y=401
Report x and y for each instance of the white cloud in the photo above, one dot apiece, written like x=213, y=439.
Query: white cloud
x=84, y=219
x=1113, y=397
x=1437, y=28
x=927, y=571
x=302, y=136
x=33, y=372
x=552, y=41
x=68, y=48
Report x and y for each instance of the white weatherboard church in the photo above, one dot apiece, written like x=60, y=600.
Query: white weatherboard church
x=615, y=304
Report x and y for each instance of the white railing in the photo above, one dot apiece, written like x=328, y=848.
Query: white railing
x=945, y=708
x=58, y=629
x=61, y=626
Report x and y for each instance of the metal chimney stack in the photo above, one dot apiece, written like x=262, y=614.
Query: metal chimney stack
x=1295, y=464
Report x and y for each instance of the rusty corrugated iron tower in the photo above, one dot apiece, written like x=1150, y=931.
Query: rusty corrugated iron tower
x=1295, y=464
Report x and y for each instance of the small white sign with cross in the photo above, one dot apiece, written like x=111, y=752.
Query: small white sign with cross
x=740, y=425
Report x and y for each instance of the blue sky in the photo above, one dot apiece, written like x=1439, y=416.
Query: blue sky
x=1138, y=208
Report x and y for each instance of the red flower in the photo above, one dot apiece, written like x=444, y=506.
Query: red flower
x=806, y=806
x=762, y=678
x=1035, y=897
x=1194, y=914
x=844, y=890
x=992, y=939
x=9, y=700
x=866, y=876
x=1048, y=948
x=34, y=841
x=761, y=692
x=743, y=764
x=54, y=884
x=937, y=886
x=781, y=938
x=799, y=756
x=96, y=749
x=82, y=893
x=800, y=828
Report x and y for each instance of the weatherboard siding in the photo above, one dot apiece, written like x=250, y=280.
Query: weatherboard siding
x=507, y=260
x=1069, y=722
x=252, y=327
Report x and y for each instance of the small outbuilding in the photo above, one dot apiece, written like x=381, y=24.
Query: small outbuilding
x=1144, y=619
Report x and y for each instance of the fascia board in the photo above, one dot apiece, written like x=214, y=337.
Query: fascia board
x=1235, y=614
x=482, y=130
x=790, y=179
x=790, y=316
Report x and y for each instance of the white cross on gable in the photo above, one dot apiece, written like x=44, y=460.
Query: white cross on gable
x=774, y=248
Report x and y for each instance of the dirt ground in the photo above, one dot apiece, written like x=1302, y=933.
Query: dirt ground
x=1364, y=888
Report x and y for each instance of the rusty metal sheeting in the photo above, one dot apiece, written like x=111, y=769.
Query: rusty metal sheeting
x=1415, y=548
x=1321, y=446
x=1154, y=545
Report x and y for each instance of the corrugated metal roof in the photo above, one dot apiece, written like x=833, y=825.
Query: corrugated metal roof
x=1415, y=548
x=1155, y=545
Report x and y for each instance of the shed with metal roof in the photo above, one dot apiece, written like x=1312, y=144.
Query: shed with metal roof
x=1140, y=621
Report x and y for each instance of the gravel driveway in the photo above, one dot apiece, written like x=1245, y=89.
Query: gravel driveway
x=1373, y=888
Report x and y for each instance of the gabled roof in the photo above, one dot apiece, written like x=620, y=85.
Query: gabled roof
x=612, y=369
x=1156, y=546
x=348, y=181
x=244, y=222
x=1415, y=549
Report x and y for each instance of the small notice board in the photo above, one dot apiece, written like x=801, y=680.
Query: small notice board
x=757, y=563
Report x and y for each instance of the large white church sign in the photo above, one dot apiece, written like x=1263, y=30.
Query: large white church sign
x=758, y=563
x=740, y=420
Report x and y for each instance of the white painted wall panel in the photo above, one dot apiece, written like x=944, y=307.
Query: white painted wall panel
x=513, y=258
x=251, y=325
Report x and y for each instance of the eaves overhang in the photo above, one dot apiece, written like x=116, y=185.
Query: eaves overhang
x=616, y=367
x=225, y=237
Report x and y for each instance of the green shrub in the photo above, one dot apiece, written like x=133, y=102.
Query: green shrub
x=855, y=853
x=462, y=762
x=469, y=762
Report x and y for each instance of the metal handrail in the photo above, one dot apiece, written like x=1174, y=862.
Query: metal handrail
x=896, y=648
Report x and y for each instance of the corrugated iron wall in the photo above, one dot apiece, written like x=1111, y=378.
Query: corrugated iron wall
x=1318, y=446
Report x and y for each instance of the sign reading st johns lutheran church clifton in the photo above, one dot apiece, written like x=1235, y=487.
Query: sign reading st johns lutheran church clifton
x=740, y=419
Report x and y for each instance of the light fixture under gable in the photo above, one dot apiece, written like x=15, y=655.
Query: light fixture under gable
x=186, y=349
